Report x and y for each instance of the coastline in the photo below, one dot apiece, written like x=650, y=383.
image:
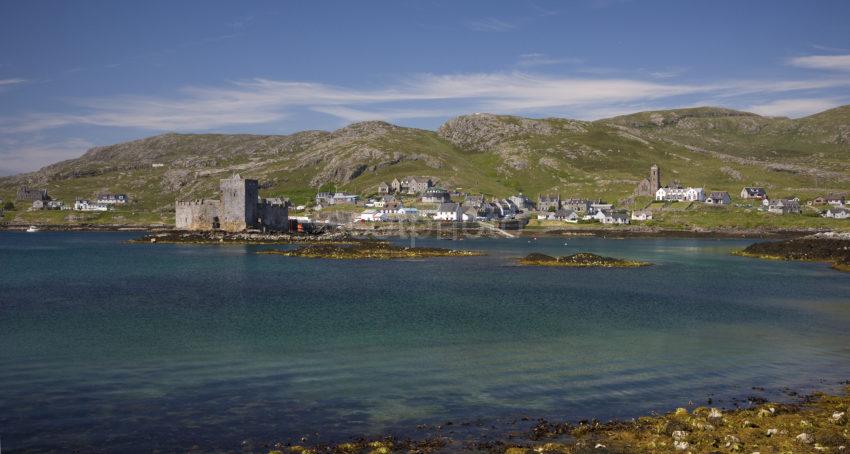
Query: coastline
x=800, y=423
x=473, y=231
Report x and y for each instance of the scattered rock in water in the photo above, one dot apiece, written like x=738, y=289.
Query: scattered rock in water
x=581, y=259
x=378, y=250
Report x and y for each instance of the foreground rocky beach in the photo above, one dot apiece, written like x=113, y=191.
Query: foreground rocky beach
x=815, y=423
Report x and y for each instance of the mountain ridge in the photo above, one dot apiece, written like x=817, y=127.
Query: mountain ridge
x=484, y=153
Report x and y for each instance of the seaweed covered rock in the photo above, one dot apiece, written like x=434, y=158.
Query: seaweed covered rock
x=580, y=260
x=379, y=250
x=836, y=251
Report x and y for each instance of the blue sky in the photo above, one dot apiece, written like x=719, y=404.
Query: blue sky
x=79, y=74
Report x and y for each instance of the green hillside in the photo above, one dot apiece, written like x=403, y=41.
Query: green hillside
x=719, y=149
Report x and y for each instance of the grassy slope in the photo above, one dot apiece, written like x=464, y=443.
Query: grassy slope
x=602, y=159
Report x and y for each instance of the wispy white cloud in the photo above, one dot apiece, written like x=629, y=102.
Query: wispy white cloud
x=354, y=115
x=667, y=73
x=540, y=59
x=491, y=24
x=794, y=107
x=263, y=101
x=827, y=62
x=829, y=48
x=11, y=81
x=8, y=84
x=24, y=156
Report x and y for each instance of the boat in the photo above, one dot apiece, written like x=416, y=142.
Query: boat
x=32, y=229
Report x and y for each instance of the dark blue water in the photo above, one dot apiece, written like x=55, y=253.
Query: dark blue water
x=117, y=346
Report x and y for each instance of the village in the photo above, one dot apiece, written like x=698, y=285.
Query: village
x=415, y=199
x=419, y=198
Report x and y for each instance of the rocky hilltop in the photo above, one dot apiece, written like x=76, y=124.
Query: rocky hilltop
x=720, y=149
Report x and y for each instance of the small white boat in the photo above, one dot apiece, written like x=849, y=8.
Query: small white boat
x=32, y=229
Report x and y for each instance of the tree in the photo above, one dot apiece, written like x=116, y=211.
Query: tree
x=9, y=206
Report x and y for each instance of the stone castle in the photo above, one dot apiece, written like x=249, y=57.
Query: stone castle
x=648, y=186
x=238, y=209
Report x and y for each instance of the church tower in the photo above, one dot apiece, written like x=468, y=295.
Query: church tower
x=654, y=178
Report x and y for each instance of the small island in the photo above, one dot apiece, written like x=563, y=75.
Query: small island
x=580, y=260
x=823, y=248
x=376, y=250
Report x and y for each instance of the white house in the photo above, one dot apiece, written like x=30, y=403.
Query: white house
x=112, y=199
x=680, y=194
x=85, y=205
x=566, y=215
x=598, y=216
x=342, y=198
x=782, y=206
x=373, y=216
x=642, y=215
x=718, y=198
x=753, y=193
x=521, y=202
x=837, y=213
x=614, y=217
x=596, y=207
x=408, y=211
x=449, y=212
x=836, y=200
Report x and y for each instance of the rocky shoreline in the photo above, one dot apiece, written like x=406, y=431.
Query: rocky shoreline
x=180, y=237
x=831, y=248
x=814, y=423
x=579, y=260
x=431, y=231
x=372, y=250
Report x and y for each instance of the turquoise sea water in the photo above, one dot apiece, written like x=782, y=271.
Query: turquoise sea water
x=110, y=345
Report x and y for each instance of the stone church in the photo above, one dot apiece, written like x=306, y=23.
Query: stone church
x=239, y=208
x=648, y=186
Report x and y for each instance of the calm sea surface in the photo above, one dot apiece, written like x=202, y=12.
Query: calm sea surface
x=113, y=346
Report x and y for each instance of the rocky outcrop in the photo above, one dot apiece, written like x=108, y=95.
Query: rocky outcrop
x=485, y=132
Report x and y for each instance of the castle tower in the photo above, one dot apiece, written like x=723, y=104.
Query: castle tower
x=239, y=204
x=654, y=178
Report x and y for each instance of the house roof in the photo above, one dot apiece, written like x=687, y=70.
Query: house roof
x=445, y=207
x=549, y=198
x=755, y=191
x=718, y=194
